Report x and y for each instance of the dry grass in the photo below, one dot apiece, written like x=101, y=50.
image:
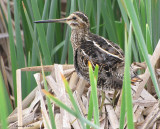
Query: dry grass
x=34, y=111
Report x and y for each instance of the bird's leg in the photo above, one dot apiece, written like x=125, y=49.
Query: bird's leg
x=109, y=102
x=102, y=103
x=114, y=97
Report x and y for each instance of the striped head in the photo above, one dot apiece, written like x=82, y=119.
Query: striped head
x=76, y=20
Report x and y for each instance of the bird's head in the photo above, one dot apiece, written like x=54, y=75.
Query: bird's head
x=76, y=20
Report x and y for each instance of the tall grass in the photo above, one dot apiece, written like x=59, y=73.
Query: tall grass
x=108, y=18
x=3, y=107
x=126, y=103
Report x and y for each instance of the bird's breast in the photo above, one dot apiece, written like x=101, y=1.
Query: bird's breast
x=76, y=38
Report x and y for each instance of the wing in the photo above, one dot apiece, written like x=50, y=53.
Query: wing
x=107, y=45
x=101, y=51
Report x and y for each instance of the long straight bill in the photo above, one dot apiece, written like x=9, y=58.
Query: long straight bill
x=63, y=20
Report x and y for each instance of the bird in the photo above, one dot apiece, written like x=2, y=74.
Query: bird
x=97, y=50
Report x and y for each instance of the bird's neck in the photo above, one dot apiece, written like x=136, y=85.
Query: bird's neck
x=77, y=35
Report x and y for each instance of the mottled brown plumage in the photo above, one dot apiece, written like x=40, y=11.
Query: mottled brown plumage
x=96, y=49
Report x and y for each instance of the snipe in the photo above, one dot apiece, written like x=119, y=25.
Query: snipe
x=96, y=49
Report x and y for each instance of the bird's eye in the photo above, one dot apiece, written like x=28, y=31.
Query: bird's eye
x=74, y=18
